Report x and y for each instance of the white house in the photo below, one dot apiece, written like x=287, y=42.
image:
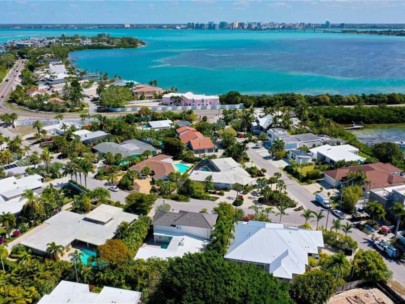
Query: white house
x=190, y=99
x=300, y=157
x=333, y=154
x=78, y=293
x=180, y=232
x=225, y=172
x=69, y=228
x=12, y=188
x=160, y=124
x=280, y=250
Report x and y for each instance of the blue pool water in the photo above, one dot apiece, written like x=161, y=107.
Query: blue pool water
x=86, y=254
x=182, y=167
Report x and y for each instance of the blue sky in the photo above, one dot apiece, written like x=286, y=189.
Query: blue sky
x=177, y=11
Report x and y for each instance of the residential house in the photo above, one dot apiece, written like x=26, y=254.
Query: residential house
x=334, y=154
x=388, y=196
x=378, y=175
x=195, y=140
x=280, y=250
x=299, y=156
x=159, y=124
x=34, y=91
x=70, y=229
x=142, y=91
x=225, y=173
x=161, y=165
x=190, y=99
x=79, y=293
x=12, y=188
x=88, y=137
x=293, y=142
x=128, y=148
x=181, y=232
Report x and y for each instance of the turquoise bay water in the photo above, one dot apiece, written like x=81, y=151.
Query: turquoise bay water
x=214, y=62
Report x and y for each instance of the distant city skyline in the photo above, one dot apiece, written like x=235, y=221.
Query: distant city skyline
x=153, y=11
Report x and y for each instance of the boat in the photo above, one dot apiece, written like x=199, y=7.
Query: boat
x=401, y=144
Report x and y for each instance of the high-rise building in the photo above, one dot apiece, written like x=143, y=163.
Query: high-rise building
x=223, y=25
x=327, y=24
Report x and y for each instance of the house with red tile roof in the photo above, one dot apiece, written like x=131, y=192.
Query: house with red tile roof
x=161, y=165
x=146, y=91
x=195, y=140
x=378, y=175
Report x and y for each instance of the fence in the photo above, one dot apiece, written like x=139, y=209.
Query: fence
x=50, y=122
x=179, y=108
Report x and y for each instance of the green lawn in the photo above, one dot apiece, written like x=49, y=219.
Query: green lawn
x=303, y=170
x=3, y=73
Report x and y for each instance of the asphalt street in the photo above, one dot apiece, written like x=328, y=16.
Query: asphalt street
x=305, y=198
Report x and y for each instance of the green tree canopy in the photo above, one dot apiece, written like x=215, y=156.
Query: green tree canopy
x=139, y=203
x=369, y=265
x=208, y=278
x=315, y=287
x=115, y=96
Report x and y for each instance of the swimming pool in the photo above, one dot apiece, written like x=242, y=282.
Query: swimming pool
x=182, y=167
x=86, y=254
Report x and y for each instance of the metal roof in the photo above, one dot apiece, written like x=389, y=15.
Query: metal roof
x=184, y=218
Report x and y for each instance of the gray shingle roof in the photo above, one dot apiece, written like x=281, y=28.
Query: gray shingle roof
x=184, y=218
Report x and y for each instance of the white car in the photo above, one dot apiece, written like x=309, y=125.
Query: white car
x=113, y=188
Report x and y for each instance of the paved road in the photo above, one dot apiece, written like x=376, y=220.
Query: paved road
x=10, y=81
x=305, y=198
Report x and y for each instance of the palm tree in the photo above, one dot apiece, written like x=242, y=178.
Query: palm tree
x=347, y=228
x=46, y=158
x=336, y=224
x=7, y=220
x=6, y=157
x=399, y=211
x=357, y=178
x=71, y=168
x=83, y=117
x=268, y=211
x=307, y=215
x=86, y=166
x=54, y=250
x=38, y=124
x=75, y=257
x=3, y=255
x=13, y=117
x=261, y=183
x=281, y=211
x=318, y=216
x=59, y=117
x=101, y=195
x=33, y=210
x=338, y=265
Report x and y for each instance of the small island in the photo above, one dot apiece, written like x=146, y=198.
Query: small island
x=49, y=81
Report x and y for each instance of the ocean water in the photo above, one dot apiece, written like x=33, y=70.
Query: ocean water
x=214, y=62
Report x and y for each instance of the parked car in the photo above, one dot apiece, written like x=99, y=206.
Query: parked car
x=369, y=229
x=113, y=188
x=339, y=214
x=384, y=247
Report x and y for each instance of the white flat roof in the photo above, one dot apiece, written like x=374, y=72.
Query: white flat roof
x=78, y=293
x=12, y=187
x=284, y=249
x=190, y=95
x=178, y=247
x=13, y=206
x=338, y=153
x=65, y=227
x=160, y=123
